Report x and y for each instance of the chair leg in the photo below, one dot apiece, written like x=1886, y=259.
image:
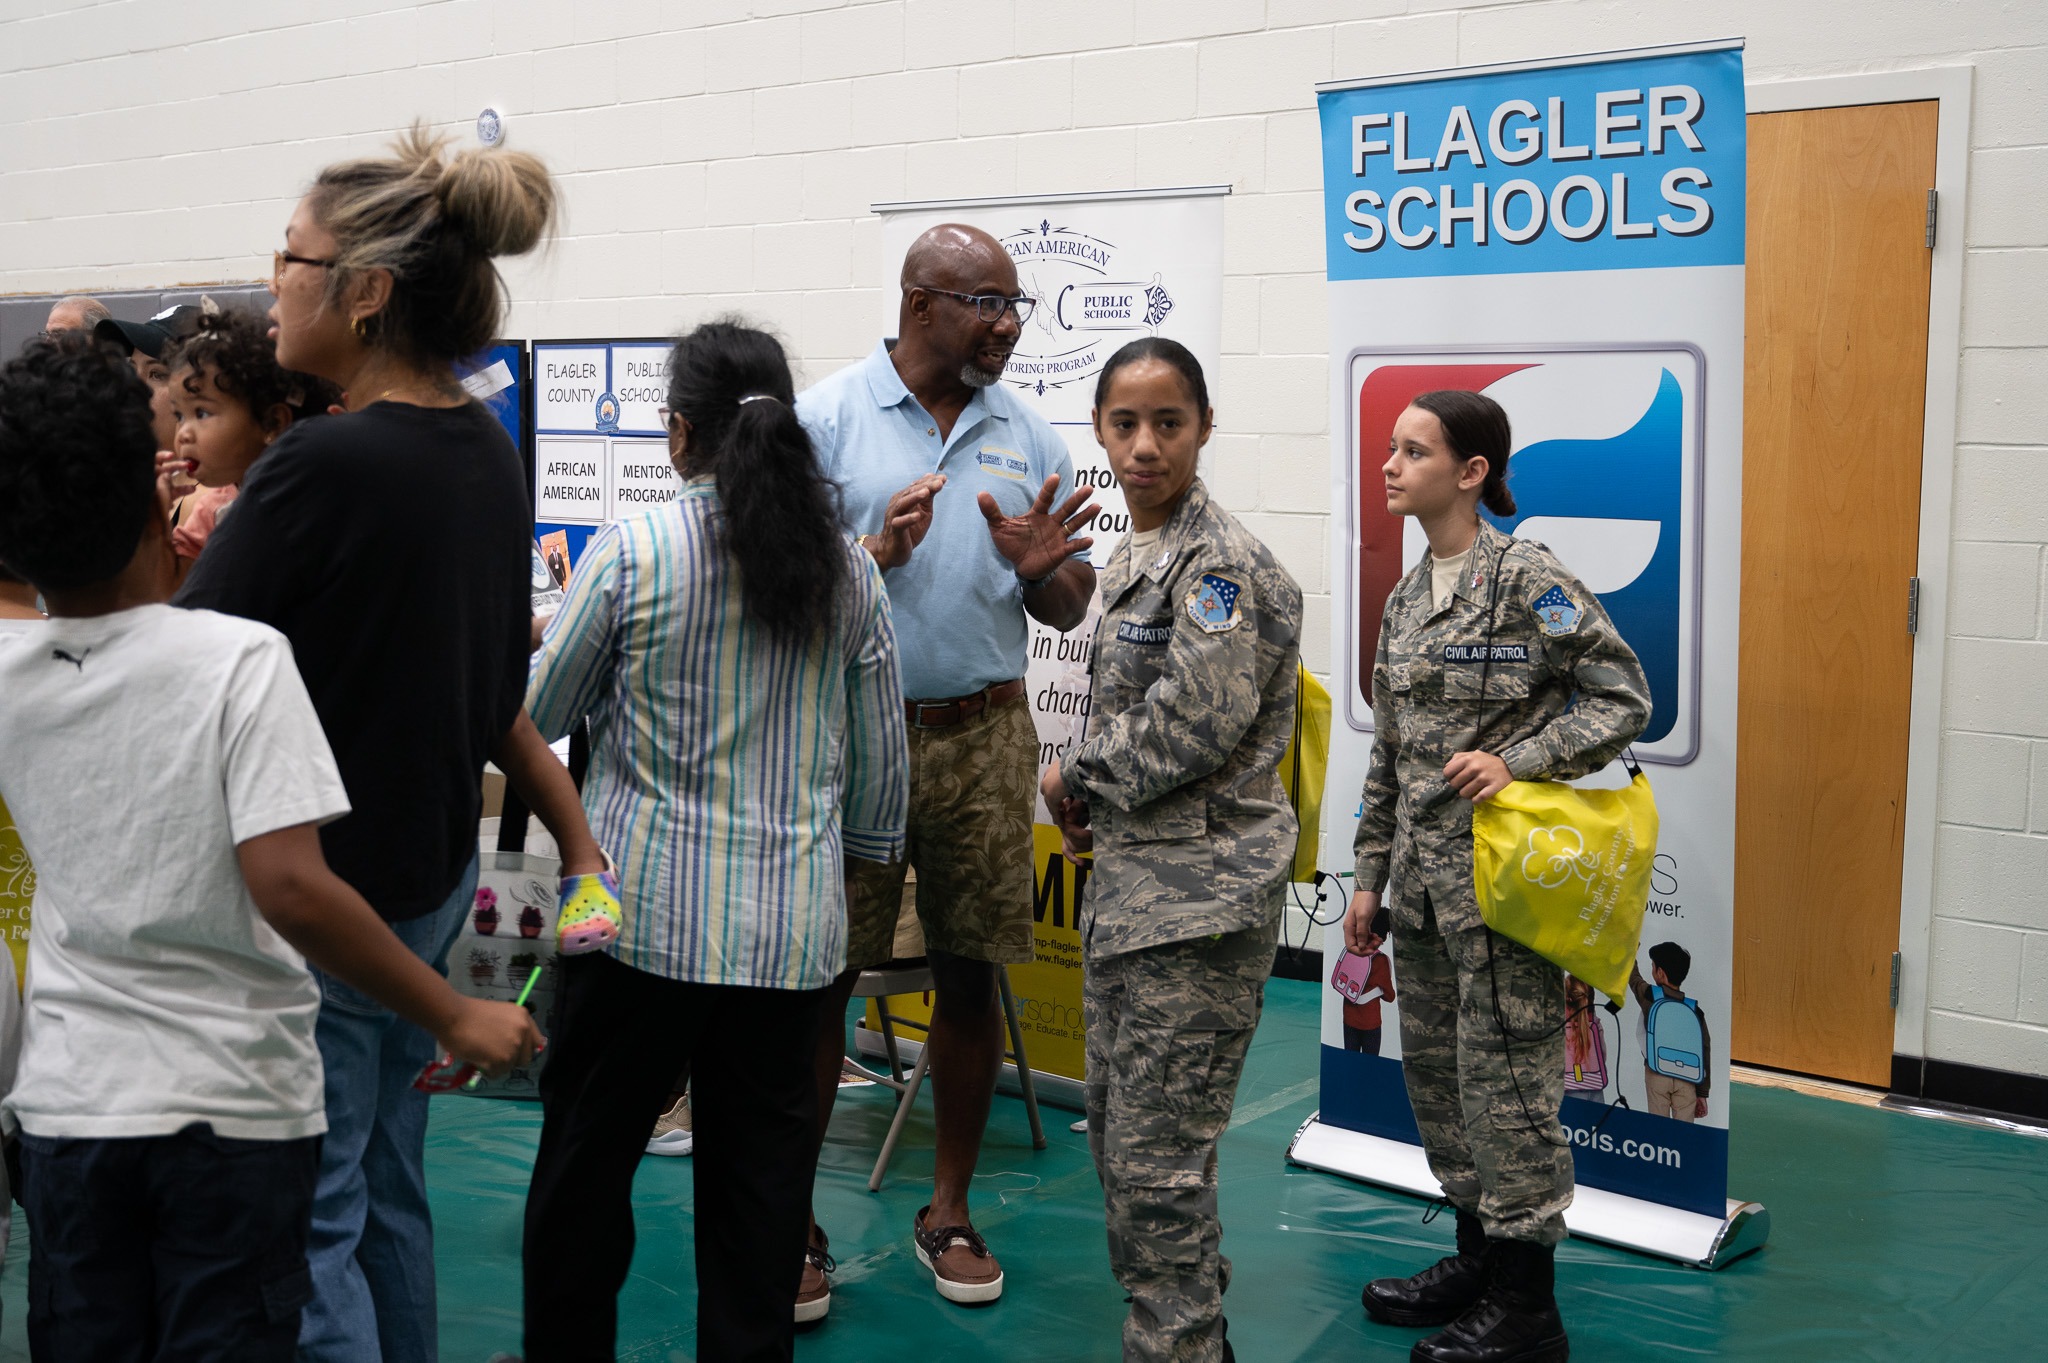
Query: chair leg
x=903, y=1106
x=889, y=1039
x=1024, y=1082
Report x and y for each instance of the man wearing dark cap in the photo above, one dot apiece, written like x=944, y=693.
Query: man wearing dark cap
x=147, y=345
x=951, y=483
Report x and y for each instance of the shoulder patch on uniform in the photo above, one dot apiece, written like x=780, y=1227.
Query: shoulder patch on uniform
x=1556, y=614
x=1213, y=603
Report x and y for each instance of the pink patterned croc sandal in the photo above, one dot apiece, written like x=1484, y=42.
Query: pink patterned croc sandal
x=591, y=916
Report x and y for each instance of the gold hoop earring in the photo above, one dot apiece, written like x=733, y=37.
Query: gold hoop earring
x=361, y=327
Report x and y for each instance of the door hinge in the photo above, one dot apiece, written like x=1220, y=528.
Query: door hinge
x=1895, y=979
x=1912, y=605
x=1933, y=211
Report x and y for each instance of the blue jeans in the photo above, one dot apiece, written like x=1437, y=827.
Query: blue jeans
x=372, y=1249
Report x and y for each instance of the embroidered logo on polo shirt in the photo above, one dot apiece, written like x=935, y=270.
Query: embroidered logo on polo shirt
x=1003, y=463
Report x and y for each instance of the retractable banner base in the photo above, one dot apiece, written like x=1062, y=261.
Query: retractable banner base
x=1595, y=1214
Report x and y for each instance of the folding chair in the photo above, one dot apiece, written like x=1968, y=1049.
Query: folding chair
x=915, y=977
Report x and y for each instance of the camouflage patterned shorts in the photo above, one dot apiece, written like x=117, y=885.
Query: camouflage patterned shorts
x=971, y=791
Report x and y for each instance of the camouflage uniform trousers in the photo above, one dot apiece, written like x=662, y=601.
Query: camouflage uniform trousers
x=1487, y=1104
x=1168, y=1029
x=972, y=786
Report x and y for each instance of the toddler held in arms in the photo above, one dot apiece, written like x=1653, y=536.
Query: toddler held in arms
x=230, y=399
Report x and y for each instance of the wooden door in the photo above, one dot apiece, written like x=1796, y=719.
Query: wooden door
x=1835, y=374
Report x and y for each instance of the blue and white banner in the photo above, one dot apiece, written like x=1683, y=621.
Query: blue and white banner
x=1568, y=238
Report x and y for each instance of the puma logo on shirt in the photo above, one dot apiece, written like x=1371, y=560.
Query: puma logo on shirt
x=77, y=662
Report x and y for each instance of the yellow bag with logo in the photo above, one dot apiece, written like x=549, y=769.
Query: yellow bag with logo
x=1303, y=767
x=1566, y=872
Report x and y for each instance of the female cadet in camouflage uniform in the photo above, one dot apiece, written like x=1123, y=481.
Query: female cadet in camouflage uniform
x=1192, y=704
x=1482, y=1018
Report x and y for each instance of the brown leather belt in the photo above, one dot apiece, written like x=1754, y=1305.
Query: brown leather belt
x=944, y=714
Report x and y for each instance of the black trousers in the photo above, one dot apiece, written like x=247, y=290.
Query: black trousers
x=190, y=1247
x=621, y=1037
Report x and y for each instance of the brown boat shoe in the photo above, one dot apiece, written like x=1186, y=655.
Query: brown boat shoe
x=814, y=1292
x=962, y=1268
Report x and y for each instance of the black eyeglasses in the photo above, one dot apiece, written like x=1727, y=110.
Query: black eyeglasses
x=990, y=307
x=280, y=259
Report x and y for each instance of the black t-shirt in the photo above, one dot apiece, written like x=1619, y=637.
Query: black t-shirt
x=392, y=547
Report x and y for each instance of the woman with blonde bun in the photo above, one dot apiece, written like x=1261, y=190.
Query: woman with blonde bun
x=391, y=544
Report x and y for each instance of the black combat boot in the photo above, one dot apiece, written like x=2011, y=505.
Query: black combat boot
x=1514, y=1321
x=1440, y=1293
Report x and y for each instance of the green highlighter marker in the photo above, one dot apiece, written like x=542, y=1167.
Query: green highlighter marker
x=520, y=1002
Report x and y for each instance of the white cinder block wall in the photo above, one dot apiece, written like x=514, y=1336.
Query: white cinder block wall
x=721, y=154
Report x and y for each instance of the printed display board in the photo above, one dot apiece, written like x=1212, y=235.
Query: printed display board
x=508, y=933
x=599, y=452
x=1105, y=269
x=1568, y=238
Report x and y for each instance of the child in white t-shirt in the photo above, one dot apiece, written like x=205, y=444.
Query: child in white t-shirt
x=169, y=1096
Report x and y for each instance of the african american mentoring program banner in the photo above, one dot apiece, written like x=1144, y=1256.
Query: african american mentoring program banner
x=1105, y=269
x=1567, y=237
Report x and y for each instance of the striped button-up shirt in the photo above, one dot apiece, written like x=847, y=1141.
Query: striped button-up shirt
x=730, y=773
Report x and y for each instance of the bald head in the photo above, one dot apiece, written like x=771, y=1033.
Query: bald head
x=76, y=313
x=956, y=256
x=944, y=343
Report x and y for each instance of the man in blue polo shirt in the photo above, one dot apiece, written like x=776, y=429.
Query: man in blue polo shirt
x=950, y=482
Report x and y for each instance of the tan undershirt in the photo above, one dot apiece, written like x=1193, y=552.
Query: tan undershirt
x=1444, y=574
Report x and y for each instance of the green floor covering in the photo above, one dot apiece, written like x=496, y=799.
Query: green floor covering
x=1894, y=1237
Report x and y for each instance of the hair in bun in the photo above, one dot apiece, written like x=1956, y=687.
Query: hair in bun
x=437, y=222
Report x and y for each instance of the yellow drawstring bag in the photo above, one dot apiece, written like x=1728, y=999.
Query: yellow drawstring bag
x=1566, y=872
x=1303, y=767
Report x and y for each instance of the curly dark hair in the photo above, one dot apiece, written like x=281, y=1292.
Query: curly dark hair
x=77, y=462
x=234, y=346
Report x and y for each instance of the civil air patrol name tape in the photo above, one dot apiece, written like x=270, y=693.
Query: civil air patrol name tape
x=1626, y=164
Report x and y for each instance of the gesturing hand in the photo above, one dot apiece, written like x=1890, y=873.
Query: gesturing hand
x=905, y=521
x=1039, y=541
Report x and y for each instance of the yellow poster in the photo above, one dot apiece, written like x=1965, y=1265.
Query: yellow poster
x=17, y=890
x=1048, y=988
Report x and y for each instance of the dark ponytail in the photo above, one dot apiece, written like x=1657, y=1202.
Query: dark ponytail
x=1476, y=427
x=781, y=516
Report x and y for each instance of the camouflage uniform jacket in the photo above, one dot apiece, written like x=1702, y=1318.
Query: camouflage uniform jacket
x=1564, y=696
x=1191, y=705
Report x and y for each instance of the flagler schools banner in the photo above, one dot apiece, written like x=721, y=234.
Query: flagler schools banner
x=1566, y=237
